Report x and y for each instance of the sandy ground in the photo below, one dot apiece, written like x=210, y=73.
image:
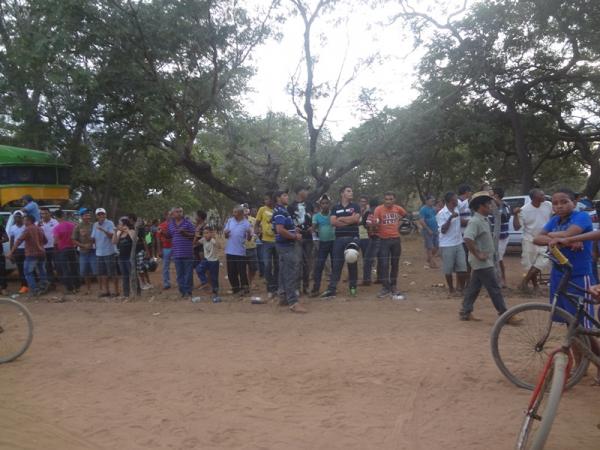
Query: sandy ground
x=352, y=374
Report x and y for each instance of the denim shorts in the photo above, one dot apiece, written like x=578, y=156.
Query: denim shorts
x=431, y=241
x=87, y=264
x=252, y=259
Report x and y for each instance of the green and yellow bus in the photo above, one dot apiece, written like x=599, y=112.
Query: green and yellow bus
x=39, y=174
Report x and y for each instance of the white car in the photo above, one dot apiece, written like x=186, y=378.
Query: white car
x=518, y=201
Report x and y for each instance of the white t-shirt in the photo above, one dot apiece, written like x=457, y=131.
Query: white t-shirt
x=453, y=236
x=533, y=219
x=47, y=228
x=15, y=232
x=464, y=212
x=210, y=249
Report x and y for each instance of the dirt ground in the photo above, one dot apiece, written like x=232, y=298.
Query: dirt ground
x=160, y=373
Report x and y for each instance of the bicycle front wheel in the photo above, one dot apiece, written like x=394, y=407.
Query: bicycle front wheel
x=16, y=330
x=540, y=416
x=516, y=351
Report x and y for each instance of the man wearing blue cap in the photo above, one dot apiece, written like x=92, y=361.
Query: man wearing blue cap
x=31, y=208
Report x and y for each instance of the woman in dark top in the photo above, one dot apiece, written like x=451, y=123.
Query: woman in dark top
x=123, y=238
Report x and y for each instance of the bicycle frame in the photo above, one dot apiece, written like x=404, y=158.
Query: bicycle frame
x=539, y=385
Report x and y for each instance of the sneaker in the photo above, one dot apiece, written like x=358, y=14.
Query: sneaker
x=23, y=290
x=398, y=296
x=216, y=299
x=327, y=294
x=352, y=292
x=514, y=320
x=297, y=308
x=469, y=318
x=383, y=293
x=145, y=287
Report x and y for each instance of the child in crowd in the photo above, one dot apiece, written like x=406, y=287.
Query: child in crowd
x=210, y=263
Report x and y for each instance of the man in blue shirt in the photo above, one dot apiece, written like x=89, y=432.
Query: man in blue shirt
x=285, y=237
x=31, y=208
x=102, y=233
x=429, y=230
x=237, y=231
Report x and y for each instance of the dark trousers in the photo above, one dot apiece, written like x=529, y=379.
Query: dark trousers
x=260, y=254
x=68, y=268
x=237, y=273
x=19, y=256
x=288, y=267
x=304, y=252
x=389, y=260
x=325, y=250
x=125, y=269
x=370, y=254
x=184, y=268
x=271, y=260
x=337, y=264
x=3, y=284
x=488, y=279
x=51, y=270
x=212, y=267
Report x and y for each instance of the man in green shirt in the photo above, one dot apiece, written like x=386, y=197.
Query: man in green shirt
x=478, y=239
x=322, y=226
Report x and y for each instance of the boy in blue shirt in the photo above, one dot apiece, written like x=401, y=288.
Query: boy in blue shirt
x=567, y=223
x=286, y=236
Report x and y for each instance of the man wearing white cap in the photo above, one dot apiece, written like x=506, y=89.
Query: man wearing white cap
x=102, y=233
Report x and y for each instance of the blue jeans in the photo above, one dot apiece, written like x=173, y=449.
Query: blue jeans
x=271, y=260
x=87, y=263
x=212, y=267
x=30, y=266
x=339, y=245
x=201, y=274
x=261, y=258
x=166, y=276
x=325, y=250
x=184, y=267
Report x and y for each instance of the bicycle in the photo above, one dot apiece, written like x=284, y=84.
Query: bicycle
x=16, y=329
x=564, y=366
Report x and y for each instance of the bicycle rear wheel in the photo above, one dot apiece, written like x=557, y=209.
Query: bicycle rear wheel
x=515, y=351
x=16, y=330
x=539, y=418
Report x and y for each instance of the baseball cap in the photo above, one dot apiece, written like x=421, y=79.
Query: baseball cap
x=18, y=213
x=100, y=211
x=82, y=211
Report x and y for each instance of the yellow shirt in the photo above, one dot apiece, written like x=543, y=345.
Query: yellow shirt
x=252, y=242
x=263, y=217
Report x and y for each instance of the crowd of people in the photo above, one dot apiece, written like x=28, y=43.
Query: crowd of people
x=292, y=242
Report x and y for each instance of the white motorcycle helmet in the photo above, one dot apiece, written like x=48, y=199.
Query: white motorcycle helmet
x=351, y=253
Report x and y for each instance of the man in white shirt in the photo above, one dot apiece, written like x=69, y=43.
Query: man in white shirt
x=532, y=217
x=47, y=224
x=451, y=243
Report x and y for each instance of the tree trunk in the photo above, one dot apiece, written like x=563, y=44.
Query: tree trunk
x=525, y=163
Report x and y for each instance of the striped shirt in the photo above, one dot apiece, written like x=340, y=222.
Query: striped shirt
x=181, y=245
x=281, y=216
x=504, y=221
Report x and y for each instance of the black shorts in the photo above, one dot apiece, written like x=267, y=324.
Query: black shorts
x=106, y=266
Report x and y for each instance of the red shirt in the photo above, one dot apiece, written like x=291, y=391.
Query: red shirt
x=163, y=235
x=34, y=241
x=388, y=220
x=62, y=235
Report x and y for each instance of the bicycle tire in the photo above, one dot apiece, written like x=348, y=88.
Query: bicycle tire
x=542, y=411
x=515, y=360
x=16, y=325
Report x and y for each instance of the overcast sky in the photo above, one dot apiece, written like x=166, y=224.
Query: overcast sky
x=362, y=32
